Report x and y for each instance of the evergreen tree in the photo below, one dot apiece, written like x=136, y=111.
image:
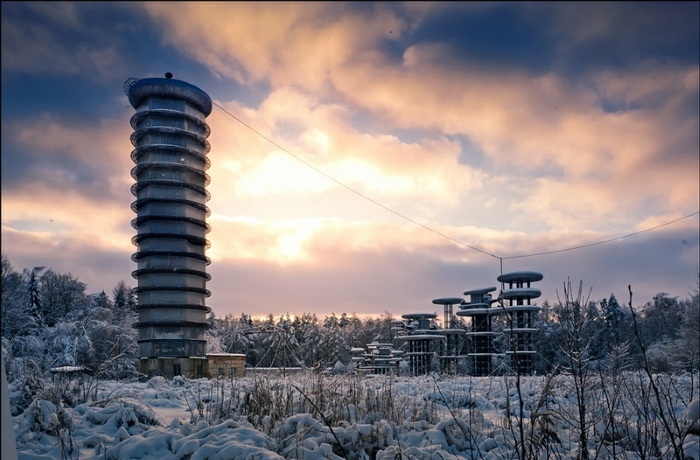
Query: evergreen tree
x=34, y=319
x=102, y=301
x=334, y=343
x=307, y=335
x=124, y=300
x=614, y=317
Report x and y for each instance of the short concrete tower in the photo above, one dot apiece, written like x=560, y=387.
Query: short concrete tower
x=517, y=294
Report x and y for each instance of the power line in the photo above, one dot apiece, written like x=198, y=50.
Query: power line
x=430, y=229
x=347, y=187
x=588, y=245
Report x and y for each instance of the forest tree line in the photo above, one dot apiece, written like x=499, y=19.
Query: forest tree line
x=49, y=320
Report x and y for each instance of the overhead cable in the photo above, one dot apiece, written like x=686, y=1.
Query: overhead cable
x=454, y=240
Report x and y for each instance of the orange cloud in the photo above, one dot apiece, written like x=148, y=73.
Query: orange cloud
x=524, y=125
x=301, y=41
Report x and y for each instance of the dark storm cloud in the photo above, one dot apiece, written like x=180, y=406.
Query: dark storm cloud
x=76, y=56
x=63, y=70
x=77, y=37
x=64, y=155
x=627, y=34
x=492, y=35
x=573, y=38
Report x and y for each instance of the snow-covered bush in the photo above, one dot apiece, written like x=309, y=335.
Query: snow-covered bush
x=157, y=382
x=360, y=418
x=28, y=382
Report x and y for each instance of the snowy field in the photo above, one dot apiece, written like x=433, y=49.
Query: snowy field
x=310, y=416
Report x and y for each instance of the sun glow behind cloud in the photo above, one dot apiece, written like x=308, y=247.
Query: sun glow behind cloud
x=279, y=173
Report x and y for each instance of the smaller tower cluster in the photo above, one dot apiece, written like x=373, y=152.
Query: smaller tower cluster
x=463, y=345
x=379, y=358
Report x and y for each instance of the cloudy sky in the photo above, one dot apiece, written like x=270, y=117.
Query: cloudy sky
x=368, y=158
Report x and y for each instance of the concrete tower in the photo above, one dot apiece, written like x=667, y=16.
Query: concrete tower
x=422, y=343
x=479, y=310
x=517, y=296
x=451, y=349
x=171, y=159
x=515, y=303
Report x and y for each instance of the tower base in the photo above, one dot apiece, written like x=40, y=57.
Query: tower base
x=214, y=366
x=192, y=368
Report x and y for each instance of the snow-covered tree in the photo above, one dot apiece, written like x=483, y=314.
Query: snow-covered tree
x=14, y=300
x=660, y=319
x=308, y=336
x=123, y=298
x=686, y=353
x=236, y=335
x=676, y=349
x=544, y=339
x=61, y=296
x=576, y=338
x=34, y=319
x=334, y=343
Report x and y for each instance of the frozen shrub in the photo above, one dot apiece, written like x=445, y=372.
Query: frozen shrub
x=25, y=388
x=340, y=368
x=40, y=416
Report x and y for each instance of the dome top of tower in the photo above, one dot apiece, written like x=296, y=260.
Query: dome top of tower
x=448, y=300
x=523, y=276
x=168, y=88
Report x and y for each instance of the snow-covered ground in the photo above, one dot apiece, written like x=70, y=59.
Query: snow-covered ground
x=311, y=416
